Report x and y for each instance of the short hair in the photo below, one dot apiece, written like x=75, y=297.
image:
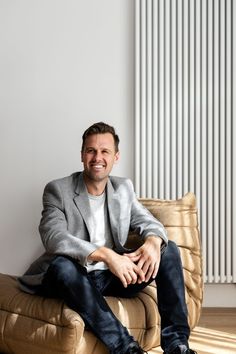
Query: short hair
x=100, y=128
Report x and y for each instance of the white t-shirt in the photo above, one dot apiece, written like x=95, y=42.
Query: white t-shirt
x=101, y=234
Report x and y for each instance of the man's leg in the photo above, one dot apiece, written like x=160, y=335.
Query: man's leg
x=68, y=280
x=171, y=300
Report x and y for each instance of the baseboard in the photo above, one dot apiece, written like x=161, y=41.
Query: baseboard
x=219, y=295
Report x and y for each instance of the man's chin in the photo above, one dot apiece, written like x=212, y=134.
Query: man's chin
x=96, y=177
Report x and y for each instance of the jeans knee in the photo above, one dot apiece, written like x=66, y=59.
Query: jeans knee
x=65, y=271
x=173, y=248
x=171, y=256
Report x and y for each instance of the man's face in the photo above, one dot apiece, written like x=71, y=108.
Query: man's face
x=99, y=156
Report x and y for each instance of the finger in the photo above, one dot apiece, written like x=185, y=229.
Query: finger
x=149, y=272
x=141, y=263
x=140, y=274
x=134, y=277
x=155, y=271
x=123, y=281
x=133, y=255
x=146, y=266
x=128, y=278
x=134, y=259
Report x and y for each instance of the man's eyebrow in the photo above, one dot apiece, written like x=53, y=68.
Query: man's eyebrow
x=93, y=148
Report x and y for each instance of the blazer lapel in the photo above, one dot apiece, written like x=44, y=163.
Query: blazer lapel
x=82, y=202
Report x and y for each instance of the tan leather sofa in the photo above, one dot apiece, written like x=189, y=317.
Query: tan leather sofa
x=35, y=325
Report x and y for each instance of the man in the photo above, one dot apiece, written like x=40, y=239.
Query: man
x=84, y=227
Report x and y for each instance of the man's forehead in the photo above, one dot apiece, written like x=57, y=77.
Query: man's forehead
x=105, y=139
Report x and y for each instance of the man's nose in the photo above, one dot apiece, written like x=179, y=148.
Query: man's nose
x=97, y=156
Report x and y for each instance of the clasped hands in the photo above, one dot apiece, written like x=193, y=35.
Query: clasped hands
x=138, y=266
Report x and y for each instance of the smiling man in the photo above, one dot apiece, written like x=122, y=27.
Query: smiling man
x=98, y=154
x=85, y=223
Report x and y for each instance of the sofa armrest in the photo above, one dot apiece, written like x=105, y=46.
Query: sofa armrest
x=35, y=320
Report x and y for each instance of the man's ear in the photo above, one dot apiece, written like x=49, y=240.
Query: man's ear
x=117, y=156
x=81, y=156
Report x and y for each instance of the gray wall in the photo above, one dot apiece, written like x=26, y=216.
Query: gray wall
x=64, y=65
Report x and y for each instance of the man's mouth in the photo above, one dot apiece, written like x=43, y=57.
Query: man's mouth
x=98, y=166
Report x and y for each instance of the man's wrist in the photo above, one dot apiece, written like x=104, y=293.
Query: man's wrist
x=155, y=238
x=101, y=254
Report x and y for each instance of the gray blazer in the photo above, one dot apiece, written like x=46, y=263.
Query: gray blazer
x=65, y=224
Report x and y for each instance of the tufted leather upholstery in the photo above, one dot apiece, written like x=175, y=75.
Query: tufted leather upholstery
x=33, y=324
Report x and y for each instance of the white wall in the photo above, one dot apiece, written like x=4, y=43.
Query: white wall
x=219, y=295
x=64, y=65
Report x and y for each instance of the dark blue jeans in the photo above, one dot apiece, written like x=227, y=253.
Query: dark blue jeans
x=84, y=292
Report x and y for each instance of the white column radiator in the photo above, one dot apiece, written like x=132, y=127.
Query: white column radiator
x=184, y=116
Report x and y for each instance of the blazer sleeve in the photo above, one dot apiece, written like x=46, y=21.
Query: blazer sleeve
x=144, y=223
x=53, y=228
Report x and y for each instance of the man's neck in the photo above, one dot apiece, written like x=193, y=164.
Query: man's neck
x=95, y=187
